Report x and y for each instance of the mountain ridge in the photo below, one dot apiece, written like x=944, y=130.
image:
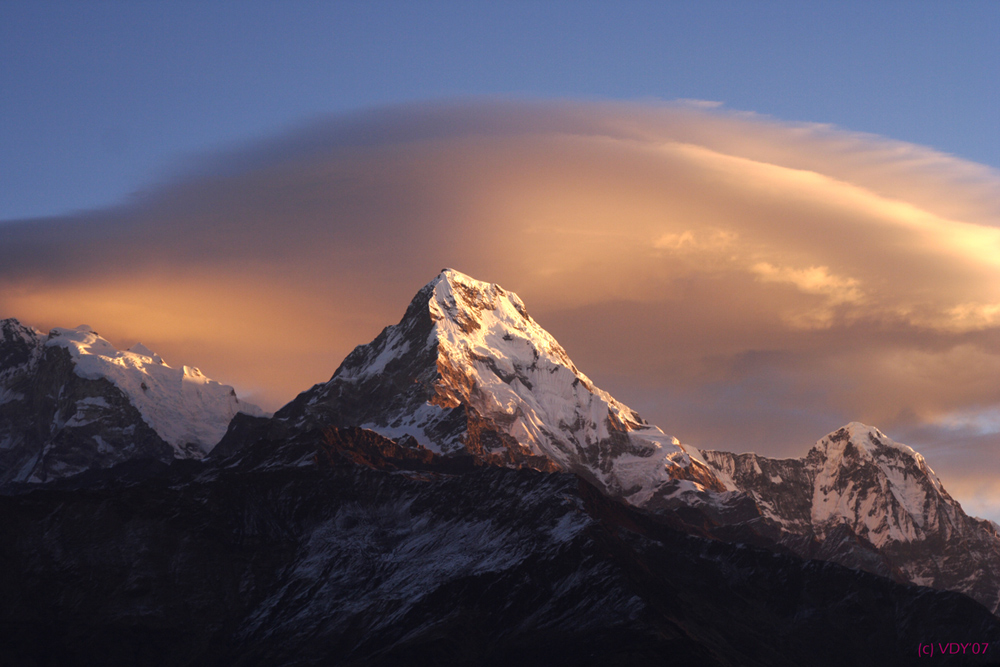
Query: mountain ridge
x=468, y=379
x=70, y=401
x=344, y=563
x=468, y=373
x=460, y=493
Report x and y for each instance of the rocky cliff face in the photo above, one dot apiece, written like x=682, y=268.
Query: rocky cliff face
x=71, y=402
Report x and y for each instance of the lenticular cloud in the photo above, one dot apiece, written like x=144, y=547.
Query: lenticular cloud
x=746, y=283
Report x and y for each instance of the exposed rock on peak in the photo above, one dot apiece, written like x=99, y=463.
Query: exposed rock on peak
x=19, y=344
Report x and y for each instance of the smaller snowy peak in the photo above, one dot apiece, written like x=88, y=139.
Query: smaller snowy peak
x=883, y=489
x=857, y=442
x=860, y=495
x=856, y=475
x=182, y=405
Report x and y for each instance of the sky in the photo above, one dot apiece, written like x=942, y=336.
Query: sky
x=751, y=222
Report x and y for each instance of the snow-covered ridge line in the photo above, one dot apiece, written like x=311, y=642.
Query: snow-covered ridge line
x=182, y=405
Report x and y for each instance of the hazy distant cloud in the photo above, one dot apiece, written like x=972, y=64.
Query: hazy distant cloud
x=744, y=282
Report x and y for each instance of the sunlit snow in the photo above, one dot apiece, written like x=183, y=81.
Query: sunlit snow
x=181, y=405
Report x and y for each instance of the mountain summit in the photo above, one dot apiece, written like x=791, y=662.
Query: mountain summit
x=70, y=402
x=873, y=503
x=468, y=372
x=467, y=375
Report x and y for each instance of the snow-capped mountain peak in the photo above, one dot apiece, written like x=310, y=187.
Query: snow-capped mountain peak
x=468, y=371
x=851, y=460
x=485, y=333
x=855, y=476
x=867, y=442
x=182, y=405
x=857, y=486
x=473, y=314
x=70, y=401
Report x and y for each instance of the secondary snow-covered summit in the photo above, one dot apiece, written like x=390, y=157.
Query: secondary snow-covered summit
x=859, y=491
x=70, y=401
x=855, y=475
x=468, y=372
x=181, y=404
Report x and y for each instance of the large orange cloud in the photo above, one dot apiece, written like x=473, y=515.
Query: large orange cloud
x=743, y=282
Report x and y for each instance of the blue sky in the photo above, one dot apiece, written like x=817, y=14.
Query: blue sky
x=104, y=99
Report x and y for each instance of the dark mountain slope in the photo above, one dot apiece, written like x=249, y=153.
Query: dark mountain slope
x=338, y=562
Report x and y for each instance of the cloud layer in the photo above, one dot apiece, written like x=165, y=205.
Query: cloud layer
x=744, y=283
